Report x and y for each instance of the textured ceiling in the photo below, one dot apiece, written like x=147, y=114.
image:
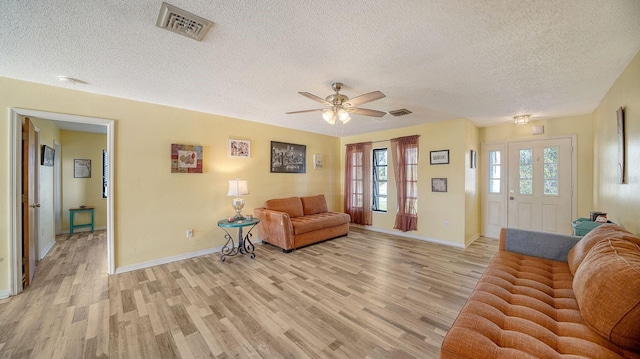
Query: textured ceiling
x=482, y=60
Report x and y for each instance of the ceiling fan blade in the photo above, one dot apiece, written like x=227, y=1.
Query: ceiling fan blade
x=368, y=97
x=315, y=98
x=365, y=112
x=303, y=111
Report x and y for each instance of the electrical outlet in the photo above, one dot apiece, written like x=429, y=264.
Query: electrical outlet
x=446, y=224
x=189, y=233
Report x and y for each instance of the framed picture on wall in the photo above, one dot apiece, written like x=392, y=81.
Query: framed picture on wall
x=288, y=158
x=81, y=168
x=440, y=157
x=438, y=185
x=47, y=156
x=239, y=148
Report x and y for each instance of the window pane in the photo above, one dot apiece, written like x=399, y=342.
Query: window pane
x=551, y=155
x=550, y=171
x=551, y=187
x=380, y=157
x=380, y=188
x=380, y=179
x=525, y=156
x=526, y=187
x=494, y=186
x=382, y=203
x=494, y=157
x=380, y=174
x=494, y=172
x=526, y=171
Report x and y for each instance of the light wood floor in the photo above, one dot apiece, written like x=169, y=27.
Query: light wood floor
x=366, y=295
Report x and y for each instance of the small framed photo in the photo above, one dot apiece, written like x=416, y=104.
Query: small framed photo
x=239, y=148
x=81, y=168
x=318, y=162
x=186, y=158
x=438, y=185
x=440, y=157
x=288, y=158
x=47, y=156
x=474, y=159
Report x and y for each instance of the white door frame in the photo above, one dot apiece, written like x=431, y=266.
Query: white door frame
x=57, y=175
x=574, y=173
x=15, y=173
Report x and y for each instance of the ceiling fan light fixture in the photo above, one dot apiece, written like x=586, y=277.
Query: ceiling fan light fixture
x=343, y=115
x=330, y=116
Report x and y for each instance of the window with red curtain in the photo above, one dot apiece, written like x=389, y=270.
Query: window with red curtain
x=404, y=151
x=357, y=195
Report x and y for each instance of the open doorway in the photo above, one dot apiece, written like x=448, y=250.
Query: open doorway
x=16, y=117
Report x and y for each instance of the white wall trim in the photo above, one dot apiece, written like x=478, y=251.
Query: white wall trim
x=46, y=250
x=157, y=262
x=407, y=235
x=4, y=294
x=15, y=174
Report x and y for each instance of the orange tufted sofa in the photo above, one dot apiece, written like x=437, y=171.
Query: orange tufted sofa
x=554, y=296
x=295, y=222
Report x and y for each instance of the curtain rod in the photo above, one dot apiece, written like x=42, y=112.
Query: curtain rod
x=383, y=140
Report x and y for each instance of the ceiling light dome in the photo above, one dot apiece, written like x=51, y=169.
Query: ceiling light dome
x=521, y=119
x=330, y=116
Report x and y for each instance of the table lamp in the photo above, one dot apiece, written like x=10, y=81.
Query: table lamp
x=238, y=187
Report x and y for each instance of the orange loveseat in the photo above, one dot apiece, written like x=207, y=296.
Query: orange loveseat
x=554, y=296
x=295, y=222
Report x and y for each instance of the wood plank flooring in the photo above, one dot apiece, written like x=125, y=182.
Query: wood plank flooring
x=368, y=295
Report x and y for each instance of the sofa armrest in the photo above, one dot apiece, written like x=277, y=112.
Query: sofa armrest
x=537, y=244
x=275, y=227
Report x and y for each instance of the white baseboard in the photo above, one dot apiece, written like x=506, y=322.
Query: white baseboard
x=82, y=230
x=46, y=250
x=166, y=260
x=408, y=235
x=4, y=293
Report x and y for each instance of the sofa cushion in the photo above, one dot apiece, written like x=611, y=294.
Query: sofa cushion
x=314, y=222
x=291, y=206
x=314, y=204
x=600, y=233
x=607, y=288
x=523, y=307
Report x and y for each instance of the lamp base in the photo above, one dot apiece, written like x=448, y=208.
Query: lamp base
x=238, y=204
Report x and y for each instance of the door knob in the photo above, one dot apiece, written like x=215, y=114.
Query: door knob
x=35, y=205
x=512, y=198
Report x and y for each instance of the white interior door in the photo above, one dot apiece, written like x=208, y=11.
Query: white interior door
x=494, y=172
x=540, y=185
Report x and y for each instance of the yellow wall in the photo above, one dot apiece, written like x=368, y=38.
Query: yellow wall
x=581, y=126
x=48, y=132
x=154, y=207
x=82, y=191
x=433, y=208
x=620, y=201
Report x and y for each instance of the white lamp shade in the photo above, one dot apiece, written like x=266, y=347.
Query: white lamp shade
x=238, y=187
x=343, y=115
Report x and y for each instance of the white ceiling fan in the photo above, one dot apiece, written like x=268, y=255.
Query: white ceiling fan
x=340, y=106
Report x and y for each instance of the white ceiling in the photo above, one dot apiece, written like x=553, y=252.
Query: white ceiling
x=445, y=59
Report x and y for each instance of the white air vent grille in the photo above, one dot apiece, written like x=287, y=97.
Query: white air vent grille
x=400, y=112
x=182, y=22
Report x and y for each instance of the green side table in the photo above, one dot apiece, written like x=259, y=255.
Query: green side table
x=73, y=211
x=244, y=243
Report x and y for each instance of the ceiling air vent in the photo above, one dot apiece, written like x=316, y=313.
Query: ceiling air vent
x=182, y=22
x=400, y=112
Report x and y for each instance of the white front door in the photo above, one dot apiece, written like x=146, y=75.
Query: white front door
x=540, y=185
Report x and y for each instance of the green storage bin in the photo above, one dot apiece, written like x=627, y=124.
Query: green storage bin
x=582, y=226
